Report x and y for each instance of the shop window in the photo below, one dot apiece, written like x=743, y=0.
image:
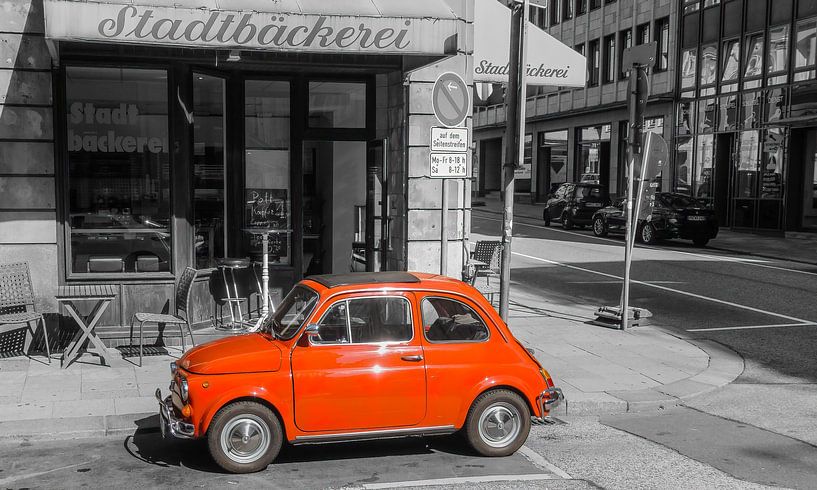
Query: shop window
x=524, y=172
x=805, y=50
x=642, y=33
x=806, y=8
x=706, y=115
x=625, y=41
x=709, y=65
x=683, y=164
x=118, y=170
x=746, y=176
x=753, y=61
x=730, y=61
x=610, y=58
x=686, y=117
x=750, y=109
x=553, y=144
x=594, y=152
x=775, y=104
x=771, y=180
x=778, y=54
x=689, y=63
x=267, y=189
x=208, y=170
x=704, y=153
x=662, y=38
x=593, y=62
x=337, y=105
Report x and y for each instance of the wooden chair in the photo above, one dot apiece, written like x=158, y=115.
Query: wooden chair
x=17, y=304
x=183, y=289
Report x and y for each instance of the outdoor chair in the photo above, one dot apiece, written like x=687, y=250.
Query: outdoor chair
x=183, y=288
x=485, y=259
x=17, y=304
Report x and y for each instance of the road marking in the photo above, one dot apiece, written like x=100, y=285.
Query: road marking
x=724, y=258
x=12, y=479
x=664, y=288
x=460, y=480
x=750, y=327
x=540, y=462
x=619, y=282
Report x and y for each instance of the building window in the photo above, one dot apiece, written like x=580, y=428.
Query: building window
x=625, y=40
x=691, y=6
x=580, y=49
x=689, y=63
x=778, y=53
x=538, y=16
x=805, y=50
x=704, y=153
x=553, y=147
x=268, y=193
x=730, y=61
x=594, y=151
x=593, y=62
x=610, y=58
x=118, y=170
x=567, y=9
x=642, y=33
x=711, y=3
x=337, y=105
x=709, y=65
x=581, y=7
x=753, y=61
x=683, y=164
x=555, y=16
x=686, y=117
x=706, y=115
x=662, y=38
x=595, y=4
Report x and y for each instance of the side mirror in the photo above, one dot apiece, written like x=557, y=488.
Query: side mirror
x=311, y=334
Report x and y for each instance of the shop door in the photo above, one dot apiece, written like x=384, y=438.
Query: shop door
x=810, y=181
x=376, y=234
x=723, y=163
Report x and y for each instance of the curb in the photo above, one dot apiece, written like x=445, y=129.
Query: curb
x=77, y=427
x=725, y=365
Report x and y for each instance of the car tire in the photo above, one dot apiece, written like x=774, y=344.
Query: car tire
x=600, y=227
x=646, y=234
x=700, y=241
x=230, y=446
x=498, y=423
x=546, y=217
x=567, y=223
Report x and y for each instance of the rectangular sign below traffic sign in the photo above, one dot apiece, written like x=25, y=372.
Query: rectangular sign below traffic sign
x=447, y=165
x=449, y=139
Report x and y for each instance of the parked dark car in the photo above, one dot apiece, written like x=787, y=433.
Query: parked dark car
x=674, y=216
x=575, y=204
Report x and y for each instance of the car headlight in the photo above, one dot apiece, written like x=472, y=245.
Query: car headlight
x=183, y=388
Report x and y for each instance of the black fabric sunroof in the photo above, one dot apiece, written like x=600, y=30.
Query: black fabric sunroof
x=352, y=278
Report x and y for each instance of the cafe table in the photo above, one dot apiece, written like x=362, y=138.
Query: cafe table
x=264, y=233
x=101, y=296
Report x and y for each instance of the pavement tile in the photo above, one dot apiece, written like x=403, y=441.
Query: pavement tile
x=133, y=405
x=8, y=399
x=686, y=388
x=25, y=411
x=95, y=395
x=640, y=399
x=52, y=388
x=104, y=373
x=13, y=364
x=82, y=408
x=115, y=384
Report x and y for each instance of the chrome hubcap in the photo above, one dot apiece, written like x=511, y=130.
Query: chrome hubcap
x=245, y=438
x=646, y=233
x=499, y=425
x=599, y=226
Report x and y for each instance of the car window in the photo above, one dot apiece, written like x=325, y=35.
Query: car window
x=447, y=320
x=291, y=314
x=585, y=192
x=367, y=320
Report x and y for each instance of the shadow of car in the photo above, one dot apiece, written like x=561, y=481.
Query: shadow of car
x=674, y=216
x=574, y=204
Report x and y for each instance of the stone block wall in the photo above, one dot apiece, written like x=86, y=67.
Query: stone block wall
x=28, y=201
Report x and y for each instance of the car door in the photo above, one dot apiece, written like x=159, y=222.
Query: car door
x=364, y=370
x=616, y=219
x=560, y=201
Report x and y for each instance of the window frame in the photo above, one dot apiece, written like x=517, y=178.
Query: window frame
x=348, y=300
x=448, y=298
x=609, y=64
x=662, y=50
x=808, y=69
x=594, y=62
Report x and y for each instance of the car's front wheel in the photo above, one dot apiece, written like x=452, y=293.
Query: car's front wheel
x=498, y=423
x=647, y=234
x=244, y=437
x=599, y=227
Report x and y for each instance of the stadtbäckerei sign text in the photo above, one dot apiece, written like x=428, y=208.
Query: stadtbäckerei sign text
x=244, y=29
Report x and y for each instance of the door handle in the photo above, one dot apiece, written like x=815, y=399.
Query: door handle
x=412, y=358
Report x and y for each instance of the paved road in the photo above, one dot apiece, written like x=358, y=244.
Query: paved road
x=766, y=310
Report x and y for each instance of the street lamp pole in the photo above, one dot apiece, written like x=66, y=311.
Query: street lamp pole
x=514, y=150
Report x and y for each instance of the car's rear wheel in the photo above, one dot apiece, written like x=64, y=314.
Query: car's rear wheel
x=700, y=241
x=599, y=227
x=498, y=423
x=647, y=234
x=244, y=437
x=546, y=217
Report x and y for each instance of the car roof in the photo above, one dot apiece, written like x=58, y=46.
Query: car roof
x=380, y=280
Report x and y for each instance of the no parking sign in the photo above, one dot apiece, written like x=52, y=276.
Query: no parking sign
x=450, y=99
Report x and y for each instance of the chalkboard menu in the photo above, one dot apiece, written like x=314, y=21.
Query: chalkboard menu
x=268, y=209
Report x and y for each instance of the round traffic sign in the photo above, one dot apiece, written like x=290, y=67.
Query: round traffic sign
x=450, y=99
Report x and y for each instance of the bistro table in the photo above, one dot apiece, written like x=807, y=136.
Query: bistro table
x=102, y=295
x=265, y=303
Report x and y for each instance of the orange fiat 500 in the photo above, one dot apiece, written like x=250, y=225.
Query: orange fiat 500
x=360, y=356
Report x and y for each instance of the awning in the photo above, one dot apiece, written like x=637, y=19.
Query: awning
x=549, y=61
x=425, y=27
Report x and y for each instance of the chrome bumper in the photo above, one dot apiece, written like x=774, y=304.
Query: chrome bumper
x=549, y=399
x=168, y=423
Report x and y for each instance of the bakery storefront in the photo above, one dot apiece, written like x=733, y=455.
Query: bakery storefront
x=180, y=126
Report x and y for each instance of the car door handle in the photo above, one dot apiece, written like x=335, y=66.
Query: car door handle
x=412, y=358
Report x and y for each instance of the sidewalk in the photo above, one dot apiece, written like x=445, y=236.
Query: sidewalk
x=795, y=247
x=601, y=371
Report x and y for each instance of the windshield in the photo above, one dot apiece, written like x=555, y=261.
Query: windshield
x=680, y=201
x=291, y=313
x=589, y=193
